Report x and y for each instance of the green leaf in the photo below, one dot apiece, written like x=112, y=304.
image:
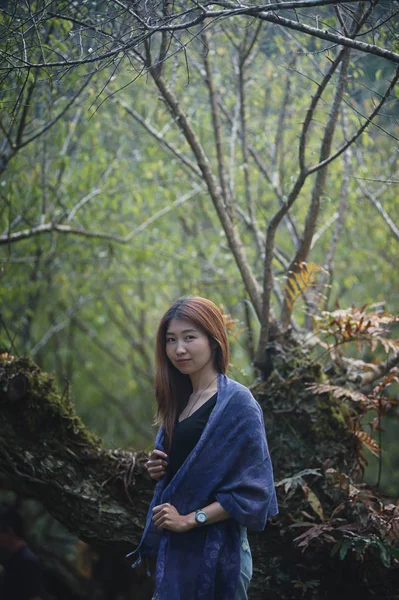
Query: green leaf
x=346, y=545
x=384, y=553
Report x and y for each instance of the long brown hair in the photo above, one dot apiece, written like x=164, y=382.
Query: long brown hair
x=173, y=388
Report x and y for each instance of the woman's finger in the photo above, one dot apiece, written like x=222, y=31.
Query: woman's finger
x=157, y=518
x=161, y=521
x=157, y=521
x=154, y=468
x=156, y=475
x=158, y=508
x=156, y=463
x=158, y=453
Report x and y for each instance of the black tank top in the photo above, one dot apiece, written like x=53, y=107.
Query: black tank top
x=186, y=435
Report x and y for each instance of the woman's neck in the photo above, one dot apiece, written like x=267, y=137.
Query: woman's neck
x=203, y=380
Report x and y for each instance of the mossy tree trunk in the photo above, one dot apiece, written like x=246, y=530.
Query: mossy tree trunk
x=99, y=495
x=102, y=496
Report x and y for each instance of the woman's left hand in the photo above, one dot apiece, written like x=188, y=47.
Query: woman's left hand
x=165, y=516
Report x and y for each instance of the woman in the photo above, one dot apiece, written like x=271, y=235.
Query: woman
x=211, y=462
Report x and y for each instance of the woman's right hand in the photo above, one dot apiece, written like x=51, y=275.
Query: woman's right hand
x=156, y=464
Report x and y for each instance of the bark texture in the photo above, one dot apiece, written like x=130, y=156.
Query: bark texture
x=102, y=496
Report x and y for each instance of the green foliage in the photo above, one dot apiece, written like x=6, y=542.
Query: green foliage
x=86, y=308
x=360, y=545
x=359, y=527
x=368, y=330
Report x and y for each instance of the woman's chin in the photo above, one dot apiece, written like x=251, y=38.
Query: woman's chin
x=184, y=367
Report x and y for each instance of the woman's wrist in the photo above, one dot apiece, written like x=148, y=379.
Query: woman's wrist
x=189, y=521
x=215, y=513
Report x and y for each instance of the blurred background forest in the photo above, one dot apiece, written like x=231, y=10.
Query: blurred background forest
x=105, y=217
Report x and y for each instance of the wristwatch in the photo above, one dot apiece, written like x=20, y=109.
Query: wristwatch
x=201, y=517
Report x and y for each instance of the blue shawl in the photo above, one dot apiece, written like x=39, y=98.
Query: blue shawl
x=231, y=465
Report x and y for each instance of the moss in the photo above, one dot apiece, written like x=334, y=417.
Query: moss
x=333, y=418
x=38, y=409
x=304, y=429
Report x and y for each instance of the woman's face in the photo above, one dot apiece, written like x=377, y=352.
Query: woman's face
x=188, y=347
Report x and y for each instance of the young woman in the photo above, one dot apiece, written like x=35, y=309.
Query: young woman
x=211, y=462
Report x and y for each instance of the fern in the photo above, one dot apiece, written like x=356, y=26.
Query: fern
x=374, y=400
x=232, y=325
x=368, y=442
x=359, y=326
x=299, y=281
x=343, y=392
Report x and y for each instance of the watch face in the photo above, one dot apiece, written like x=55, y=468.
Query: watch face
x=201, y=517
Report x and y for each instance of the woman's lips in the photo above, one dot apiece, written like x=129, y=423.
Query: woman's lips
x=183, y=360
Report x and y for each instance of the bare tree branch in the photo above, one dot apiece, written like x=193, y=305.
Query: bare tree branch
x=284, y=208
x=323, y=34
x=230, y=229
x=66, y=229
x=159, y=137
x=278, y=157
x=380, y=370
x=318, y=188
x=343, y=202
x=368, y=121
x=265, y=173
x=146, y=26
x=217, y=128
x=243, y=56
x=381, y=210
x=20, y=142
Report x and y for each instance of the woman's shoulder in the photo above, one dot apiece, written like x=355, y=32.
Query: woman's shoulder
x=236, y=387
x=240, y=393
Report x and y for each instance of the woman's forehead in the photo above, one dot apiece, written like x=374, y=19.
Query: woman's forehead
x=181, y=326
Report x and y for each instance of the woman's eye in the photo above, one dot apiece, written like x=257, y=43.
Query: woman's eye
x=169, y=340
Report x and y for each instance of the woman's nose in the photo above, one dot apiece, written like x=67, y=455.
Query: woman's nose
x=180, y=348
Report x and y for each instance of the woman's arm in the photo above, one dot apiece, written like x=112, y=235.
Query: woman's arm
x=215, y=513
x=167, y=517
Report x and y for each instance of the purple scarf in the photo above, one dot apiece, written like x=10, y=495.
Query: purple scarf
x=231, y=465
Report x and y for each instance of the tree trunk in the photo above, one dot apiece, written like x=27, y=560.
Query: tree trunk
x=102, y=496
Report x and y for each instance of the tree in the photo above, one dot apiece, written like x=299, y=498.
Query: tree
x=240, y=149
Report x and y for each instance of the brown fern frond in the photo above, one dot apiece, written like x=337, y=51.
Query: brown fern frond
x=368, y=442
x=359, y=326
x=387, y=380
x=343, y=392
x=232, y=325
